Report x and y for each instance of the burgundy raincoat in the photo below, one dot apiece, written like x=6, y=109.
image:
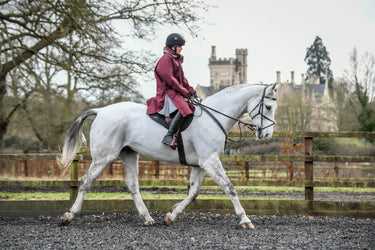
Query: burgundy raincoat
x=170, y=80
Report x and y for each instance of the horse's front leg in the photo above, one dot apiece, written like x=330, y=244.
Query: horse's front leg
x=196, y=179
x=215, y=169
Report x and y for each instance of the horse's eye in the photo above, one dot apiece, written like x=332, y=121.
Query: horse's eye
x=268, y=107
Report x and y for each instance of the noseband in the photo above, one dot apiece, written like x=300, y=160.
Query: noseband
x=251, y=126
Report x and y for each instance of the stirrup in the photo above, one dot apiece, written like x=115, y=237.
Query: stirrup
x=170, y=141
x=173, y=144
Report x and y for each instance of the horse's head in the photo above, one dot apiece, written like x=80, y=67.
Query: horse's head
x=262, y=112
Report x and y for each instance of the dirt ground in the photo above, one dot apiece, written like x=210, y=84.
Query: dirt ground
x=190, y=231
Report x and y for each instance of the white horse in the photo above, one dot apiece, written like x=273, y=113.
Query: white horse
x=124, y=130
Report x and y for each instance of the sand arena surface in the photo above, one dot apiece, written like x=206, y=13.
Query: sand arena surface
x=192, y=230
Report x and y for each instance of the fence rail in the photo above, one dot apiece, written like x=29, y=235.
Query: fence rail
x=173, y=183
x=279, y=207
x=308, y=159
x=282, y=134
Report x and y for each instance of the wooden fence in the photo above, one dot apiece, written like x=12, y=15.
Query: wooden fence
x=308, y=160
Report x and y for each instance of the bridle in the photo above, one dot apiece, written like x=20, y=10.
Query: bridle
x=255, y=128
x=260, y=111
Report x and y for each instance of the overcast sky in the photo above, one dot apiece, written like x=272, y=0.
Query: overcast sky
x=276, y=34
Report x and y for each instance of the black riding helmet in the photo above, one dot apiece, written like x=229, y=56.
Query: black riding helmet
x=175, y=39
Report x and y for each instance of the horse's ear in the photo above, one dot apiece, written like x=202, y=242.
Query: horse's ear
x=275, y=87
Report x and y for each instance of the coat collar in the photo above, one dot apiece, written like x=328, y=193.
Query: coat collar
x=171, y=52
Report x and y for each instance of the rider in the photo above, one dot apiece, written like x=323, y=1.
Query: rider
x=171, y=88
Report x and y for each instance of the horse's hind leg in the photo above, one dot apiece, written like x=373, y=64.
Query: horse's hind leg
x=130, y=160
x=96, y=168
x=215, y=169
x=196, y=179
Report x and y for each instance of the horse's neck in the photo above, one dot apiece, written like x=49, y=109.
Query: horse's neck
x=233, y=102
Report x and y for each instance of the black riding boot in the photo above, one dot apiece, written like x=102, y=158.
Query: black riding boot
x=169, y=139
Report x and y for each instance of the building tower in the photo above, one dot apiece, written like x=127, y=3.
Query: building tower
x=241, y=65
x=226, y=72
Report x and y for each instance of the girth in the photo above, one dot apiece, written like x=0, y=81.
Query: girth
x=180, y=148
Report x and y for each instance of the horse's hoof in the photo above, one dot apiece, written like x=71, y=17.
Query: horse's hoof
x=168, y=220
x=149, y=223
x=65, y=221
x=247, y=225
x=67, y=218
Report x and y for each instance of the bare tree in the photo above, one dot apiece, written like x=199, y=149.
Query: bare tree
x=294, y=111
x=347, y=120
x=362, y=80
x=78, y=33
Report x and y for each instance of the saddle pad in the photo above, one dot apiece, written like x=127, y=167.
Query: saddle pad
x=161, y=120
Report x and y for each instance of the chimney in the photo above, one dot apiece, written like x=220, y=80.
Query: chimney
x=213, y=53
x=326, y=90
x=303, y=79
x=303, y=84
x=316, y=79
x=278, y=77
x=292, y=78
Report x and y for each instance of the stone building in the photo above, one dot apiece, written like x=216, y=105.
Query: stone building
x=224, y=72
x=317, y=111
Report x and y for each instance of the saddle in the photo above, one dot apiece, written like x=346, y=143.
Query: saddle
x=180, y=148
x=162, y=121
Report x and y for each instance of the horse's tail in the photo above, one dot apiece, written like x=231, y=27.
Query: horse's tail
x=72, y=140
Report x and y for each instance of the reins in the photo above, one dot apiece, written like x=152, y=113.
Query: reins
x=206, y=109
x=250, y=126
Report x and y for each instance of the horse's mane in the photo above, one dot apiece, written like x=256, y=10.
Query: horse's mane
x=231, y=88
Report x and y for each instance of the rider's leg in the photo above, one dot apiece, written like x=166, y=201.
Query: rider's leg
x=169, y=138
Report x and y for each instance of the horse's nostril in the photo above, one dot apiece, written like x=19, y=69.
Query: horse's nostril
x=265, y=137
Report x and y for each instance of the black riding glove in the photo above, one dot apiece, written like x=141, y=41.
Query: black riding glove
x=196, y=98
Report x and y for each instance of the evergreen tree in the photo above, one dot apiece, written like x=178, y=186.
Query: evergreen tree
x=318, y=62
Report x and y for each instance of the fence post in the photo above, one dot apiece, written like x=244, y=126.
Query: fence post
x=309, y=170
x=157, y=169
x=247, y=170
x=73, y=180
x=25, y=164
x=110, y=170
x=336, y=168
